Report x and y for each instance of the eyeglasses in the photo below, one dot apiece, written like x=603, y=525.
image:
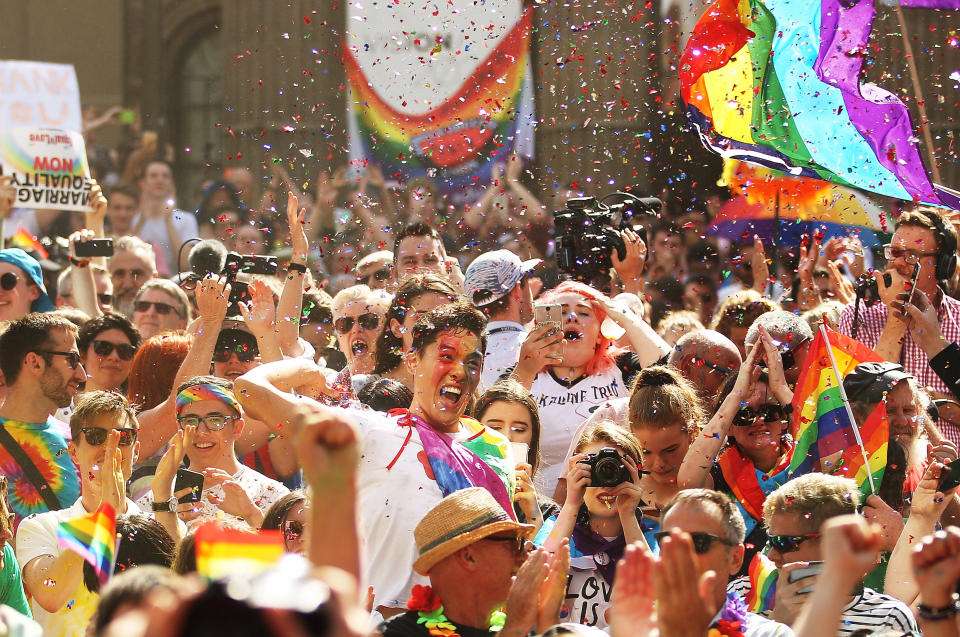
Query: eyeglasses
x=746, y=416
x=910, y=257
x=702, y=542
x=383, y=274
x=790, y=543
x=213, y=422
x=73, y=358
x=519, y=543
x=105, y=348
x=367, y=321
x=245, y=353
x=162, y=308
x=9, y=281
x=724, y=371
x=292, y=530
x=789, y=357
x=96, y=436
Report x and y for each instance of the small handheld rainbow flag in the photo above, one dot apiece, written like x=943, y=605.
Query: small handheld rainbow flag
x=222, y=551
x=26, y=241
x=94, y=538
x=763, y=584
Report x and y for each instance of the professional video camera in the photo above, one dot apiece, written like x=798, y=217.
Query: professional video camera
x=587, y=232
x=233, y=264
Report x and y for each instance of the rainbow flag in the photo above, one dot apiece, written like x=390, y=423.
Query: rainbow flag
x=26, y=241
x=773, y=82
x=222, y=551
x=763, y=584
x=94, y=538
x=822, y=429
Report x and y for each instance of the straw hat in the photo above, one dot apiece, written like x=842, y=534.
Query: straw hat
x=460, y=519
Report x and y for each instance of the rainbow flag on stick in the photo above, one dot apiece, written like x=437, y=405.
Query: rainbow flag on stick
x=222, y=551
x=763, y=584
x=94, y=538
x=825, y=431
x=26, y=241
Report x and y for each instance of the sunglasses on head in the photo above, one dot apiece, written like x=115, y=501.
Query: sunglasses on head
x=702, y=542
x=292, y=530
x=9, y=281
x=105, y=348
x=746, y=416
x=790, y=543
x=383, y=274
x=162, y=308
x=366, y=321
x=73, y=358
x=96, y=436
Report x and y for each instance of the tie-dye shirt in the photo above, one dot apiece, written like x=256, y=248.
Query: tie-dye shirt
x=45, y=444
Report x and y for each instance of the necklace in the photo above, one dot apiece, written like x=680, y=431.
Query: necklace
x=430, y=613
x=733, y=618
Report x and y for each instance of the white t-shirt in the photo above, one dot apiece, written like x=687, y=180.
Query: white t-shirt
x=503, y=350
x=37, y=536
x=154, y=232
x=588, y=594
x=562, y=410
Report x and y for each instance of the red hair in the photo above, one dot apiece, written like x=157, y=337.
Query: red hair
x=605, y=353
x=155, y=368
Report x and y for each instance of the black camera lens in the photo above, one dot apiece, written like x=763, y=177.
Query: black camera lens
x=606, y=470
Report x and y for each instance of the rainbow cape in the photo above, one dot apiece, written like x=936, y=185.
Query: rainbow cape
x=763, y=584
x=94, y=538
x=776, y=82
x=822, y=427
x=221, y=551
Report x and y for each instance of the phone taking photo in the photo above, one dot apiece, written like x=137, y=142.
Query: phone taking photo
x=913, y=281
x=949, y=476
x=552, y=313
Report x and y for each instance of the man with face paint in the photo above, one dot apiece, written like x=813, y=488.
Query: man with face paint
x=410, y=459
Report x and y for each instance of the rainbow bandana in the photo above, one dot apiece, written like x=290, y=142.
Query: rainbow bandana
x=206, y=391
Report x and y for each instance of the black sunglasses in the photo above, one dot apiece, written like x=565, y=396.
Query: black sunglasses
x=73, y=358
x=8, y=281
x=790, y=543
x=292, y=530
x=519, y=542
x=245, y=353
x=702, y=542
x=367, y=321
x=96, y=436
x=746, y=416
x=105, y=348
x=789, y=357
x=105, y=299
x=383, y=274
x=162, y=308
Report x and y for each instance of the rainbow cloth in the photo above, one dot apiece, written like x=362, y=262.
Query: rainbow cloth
x=221, y=552
x=763, y=584
x=94, y=538
x=822, y=428
x=776, y=82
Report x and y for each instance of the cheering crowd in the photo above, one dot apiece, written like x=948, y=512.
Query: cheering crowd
x=451, y=436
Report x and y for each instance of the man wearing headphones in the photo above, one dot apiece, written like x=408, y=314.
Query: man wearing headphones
x=923, y=239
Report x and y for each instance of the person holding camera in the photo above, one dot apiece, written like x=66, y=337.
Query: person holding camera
x=600, y=517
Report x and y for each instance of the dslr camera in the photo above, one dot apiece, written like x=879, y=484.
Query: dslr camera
x=587, y=232
x=606, y=468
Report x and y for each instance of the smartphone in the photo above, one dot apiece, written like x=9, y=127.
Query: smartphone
x=949, y=478
x=548, y=314
x=803, y=573
x=520, y=451
x=94, y=248
x=191, y=479
x=913, y=282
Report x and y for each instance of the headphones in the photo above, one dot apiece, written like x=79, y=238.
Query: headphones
x=947, y=259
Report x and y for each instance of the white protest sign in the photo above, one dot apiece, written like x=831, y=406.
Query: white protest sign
x=48, y=166
x=39, y=94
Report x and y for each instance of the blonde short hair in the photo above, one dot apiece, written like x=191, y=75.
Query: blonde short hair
x=377, y=299
x=814, y=498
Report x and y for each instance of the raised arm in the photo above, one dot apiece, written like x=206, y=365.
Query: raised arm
x=84, y=285
x=265, y=391
x=290, y=307
x=647, y=344
x=260, y=316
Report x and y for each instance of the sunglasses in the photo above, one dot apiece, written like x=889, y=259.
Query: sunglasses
x=367, y=322
x=292, y=530
x=790, y=543
x=768, y=413
x=105, y=299
x=105, y=348
x=702, y=542
x=73, y=358
x=789, y=357
x=96, y=436
x=9, y=281
x=383, y=274
x=724, y=371
x=213, y=422
x=162, y=308
x=519, y=543
x=245, y=353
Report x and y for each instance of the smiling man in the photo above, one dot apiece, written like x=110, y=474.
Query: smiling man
x=410, y=460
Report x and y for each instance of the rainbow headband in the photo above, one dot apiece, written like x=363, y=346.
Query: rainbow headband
x=206, y=391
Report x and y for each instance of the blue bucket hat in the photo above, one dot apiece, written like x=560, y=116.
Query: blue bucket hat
x=31, y=267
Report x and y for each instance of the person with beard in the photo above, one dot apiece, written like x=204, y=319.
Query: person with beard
x=133, y=263
x=41, y=366
x=412, y=458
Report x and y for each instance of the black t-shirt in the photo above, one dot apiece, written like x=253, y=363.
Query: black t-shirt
x=406, y=625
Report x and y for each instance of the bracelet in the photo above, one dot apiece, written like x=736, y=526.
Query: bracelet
x=937, y=614
x=79, y=263
x=297, y=267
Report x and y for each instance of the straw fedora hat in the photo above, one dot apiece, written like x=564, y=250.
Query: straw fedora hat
x=460, y=519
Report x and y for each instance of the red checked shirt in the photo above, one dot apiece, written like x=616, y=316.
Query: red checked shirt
x=912, y=357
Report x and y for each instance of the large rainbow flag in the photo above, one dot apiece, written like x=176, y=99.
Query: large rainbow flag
x=222, y=551
x=776, y=82
x=822, y=427
x=94, y=538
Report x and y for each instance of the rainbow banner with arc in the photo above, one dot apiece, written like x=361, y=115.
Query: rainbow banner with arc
x=777, y=83
x=445, y=100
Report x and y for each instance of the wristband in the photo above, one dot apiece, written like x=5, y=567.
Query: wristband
x=297, y=267
x=937, y=614
x=78, y=263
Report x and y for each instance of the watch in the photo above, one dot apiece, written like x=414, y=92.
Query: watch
x=167, y=506
x=297, y=267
